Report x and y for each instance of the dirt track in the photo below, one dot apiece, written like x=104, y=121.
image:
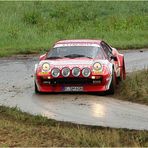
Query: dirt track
x=17, y=89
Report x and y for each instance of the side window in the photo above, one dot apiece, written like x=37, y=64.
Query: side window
x=107, y=50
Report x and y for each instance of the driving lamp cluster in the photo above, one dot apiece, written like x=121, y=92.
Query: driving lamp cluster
x=66, y=72
x=55, y=72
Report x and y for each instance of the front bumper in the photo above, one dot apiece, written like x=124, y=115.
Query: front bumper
x=87, y=84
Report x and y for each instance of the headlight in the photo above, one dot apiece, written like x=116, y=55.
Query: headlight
x=45, y=67
x=65, y=72
x=76, y=72
x=55, y=72
x=86, y=72
x=97, y=66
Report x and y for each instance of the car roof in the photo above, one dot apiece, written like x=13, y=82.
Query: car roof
x=79, y=41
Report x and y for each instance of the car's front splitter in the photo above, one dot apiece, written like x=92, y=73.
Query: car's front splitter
x=72, y=88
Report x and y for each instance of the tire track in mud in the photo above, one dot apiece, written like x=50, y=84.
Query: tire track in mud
x=17, y=89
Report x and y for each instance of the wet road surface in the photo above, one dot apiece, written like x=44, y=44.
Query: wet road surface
x=17, y=89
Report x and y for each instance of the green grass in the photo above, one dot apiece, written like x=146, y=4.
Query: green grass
x=22, y=129
x=135, y=87
x=30, y=27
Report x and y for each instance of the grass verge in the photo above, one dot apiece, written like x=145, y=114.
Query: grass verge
x=22, y=129
x=28, y=27
x=135, y=87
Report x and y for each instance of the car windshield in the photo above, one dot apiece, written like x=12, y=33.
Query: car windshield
x=75, y=52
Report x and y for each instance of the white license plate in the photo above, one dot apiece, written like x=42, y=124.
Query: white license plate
x=73, y=88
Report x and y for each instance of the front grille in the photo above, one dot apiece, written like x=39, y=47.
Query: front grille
x=71, y=81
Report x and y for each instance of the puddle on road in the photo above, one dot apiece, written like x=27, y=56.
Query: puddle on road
x=17, y=89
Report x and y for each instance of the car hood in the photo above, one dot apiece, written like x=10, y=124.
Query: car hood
x=72, y=62
x=77, y=62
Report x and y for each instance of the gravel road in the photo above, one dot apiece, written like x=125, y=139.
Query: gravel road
x=17, y=89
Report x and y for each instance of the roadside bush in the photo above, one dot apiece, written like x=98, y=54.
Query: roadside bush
x=135, y=87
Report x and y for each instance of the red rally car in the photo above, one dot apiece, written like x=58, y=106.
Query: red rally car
x=79, y=66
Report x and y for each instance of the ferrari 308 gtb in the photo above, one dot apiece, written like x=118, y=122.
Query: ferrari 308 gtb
x=79, y=66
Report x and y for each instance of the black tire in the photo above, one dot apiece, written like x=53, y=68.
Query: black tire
x=112, y=85
x=121, y=78
x=36, y=89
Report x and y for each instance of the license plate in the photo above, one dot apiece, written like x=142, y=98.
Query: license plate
x=73, y=88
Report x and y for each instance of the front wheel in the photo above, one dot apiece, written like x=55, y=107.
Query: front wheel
x=112, y=85
x=36, y=88
x=122, y=72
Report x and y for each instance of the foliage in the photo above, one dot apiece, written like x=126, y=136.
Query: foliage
x=37, y=25
x=21, y=129
x=135, y=87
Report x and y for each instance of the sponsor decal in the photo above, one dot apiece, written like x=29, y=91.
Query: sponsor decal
x=76, y=44
x=97, y=72
x=43, y=73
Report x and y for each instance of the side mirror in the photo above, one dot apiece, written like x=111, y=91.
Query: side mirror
x=42, y=57
x=114, y=58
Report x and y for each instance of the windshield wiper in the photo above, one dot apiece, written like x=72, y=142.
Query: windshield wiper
x=54, y=57
x=75, y=56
